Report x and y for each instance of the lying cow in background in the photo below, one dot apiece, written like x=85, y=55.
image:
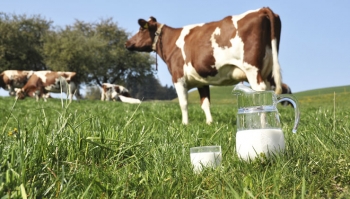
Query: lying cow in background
x=11, y=79
x=237, y=48
x=42, y=82
x=112, y=91
x=117, y=92
x=129, y=100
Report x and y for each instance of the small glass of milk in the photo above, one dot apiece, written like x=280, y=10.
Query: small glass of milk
x=205, y=156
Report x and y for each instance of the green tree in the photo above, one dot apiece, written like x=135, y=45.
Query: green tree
x=21, y=41
x=151, y=90
x=69, y=50
x=96, y=52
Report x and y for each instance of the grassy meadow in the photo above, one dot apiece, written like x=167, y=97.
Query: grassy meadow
x=94, y=149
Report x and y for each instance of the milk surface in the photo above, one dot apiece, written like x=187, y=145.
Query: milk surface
x=250, y=143
x=211, y=159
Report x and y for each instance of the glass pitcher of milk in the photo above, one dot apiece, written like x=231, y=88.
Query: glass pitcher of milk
x=259, y=130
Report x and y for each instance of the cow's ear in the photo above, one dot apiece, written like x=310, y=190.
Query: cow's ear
x=152, y=19
x=143, y=23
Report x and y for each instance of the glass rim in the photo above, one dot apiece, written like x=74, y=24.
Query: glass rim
x=206, y=148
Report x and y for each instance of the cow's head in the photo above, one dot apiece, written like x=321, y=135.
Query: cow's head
x=116, y=91
x=20, y=94
x=123, y=91
x=144, y=39
x=114, y=95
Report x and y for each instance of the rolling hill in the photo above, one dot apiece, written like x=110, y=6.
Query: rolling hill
x=223, y=94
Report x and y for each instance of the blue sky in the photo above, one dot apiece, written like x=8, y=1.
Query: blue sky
x=315, y=40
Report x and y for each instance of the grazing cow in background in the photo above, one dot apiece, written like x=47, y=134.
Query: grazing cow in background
x=43, y=82
x=286, y=89
x=117, y=92
x=11, y=79
x=237, y=48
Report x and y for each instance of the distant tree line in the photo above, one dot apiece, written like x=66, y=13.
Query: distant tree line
x=94, y=50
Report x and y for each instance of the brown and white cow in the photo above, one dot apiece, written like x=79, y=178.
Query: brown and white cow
x=237, y=48
x=286, y=89
x=11, y=79
x=117, y=92
x=43, y=82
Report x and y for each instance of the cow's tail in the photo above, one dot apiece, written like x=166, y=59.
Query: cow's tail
x=275, y=22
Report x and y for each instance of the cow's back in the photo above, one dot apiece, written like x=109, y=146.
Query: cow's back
x=222, y=52
x=14, y=78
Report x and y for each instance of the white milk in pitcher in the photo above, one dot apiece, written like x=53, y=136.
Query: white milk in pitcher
x=210, y=159
x=250, y=143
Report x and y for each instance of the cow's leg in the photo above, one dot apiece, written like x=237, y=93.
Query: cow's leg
x=254, y=78
x=77, y=94
x=103, y=95
x=257, y=83
x=12, y=91
x=107, y=96
x=70, y=96
x=37, y=94
x=46, y=96
x=75, y=90
x=204, y=94
x=37, y=97
x=70, y=92
x=43, y=94
x=182, y=94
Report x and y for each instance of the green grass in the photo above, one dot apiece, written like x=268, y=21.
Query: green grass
x=94, y=149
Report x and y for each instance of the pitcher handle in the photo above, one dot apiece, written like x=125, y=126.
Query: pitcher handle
x=294, y=102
